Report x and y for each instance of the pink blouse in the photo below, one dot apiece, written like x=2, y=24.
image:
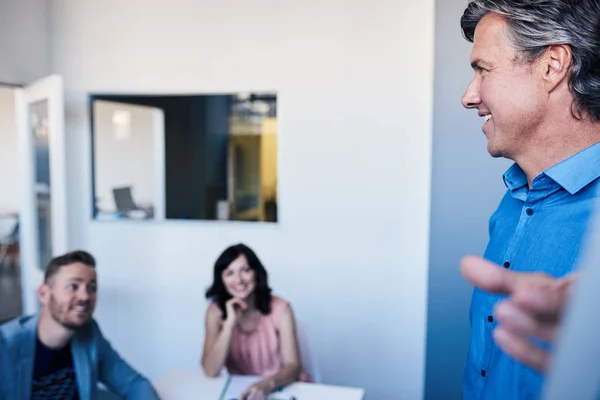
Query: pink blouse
x=259, y=352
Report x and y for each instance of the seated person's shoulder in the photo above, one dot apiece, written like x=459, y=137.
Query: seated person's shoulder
x=280, y=309
x=13, y=332
x=92, y=329
x=279, y=303
x=92, y=332
x=213, y=312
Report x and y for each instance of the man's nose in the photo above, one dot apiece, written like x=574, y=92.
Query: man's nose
x=471, y=98
x=83, y=293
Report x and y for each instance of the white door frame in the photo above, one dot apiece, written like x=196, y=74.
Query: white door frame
x=50, y=89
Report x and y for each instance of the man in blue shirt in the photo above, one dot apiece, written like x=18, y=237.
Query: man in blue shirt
x=534, y=309
x=537, y=84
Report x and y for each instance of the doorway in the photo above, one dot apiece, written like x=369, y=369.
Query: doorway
x=11, y=304
x=33, y=209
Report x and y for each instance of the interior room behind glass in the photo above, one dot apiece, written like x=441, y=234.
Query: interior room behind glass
x=194, y=157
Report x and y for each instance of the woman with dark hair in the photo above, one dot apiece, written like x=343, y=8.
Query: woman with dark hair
x=248, y=330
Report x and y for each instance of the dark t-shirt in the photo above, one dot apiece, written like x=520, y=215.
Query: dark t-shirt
x=53, y=374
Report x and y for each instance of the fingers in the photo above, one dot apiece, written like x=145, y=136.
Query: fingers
x=510, y=316
x=570, y=281
x=252, y=393
x=235, y=305
x=235, y=301
x=492, y=278
x=488, y=276
x=534, y=310
x=536, y=293
x=546, y=301
x=246, y=394
x=520, y=348
x=257, y=395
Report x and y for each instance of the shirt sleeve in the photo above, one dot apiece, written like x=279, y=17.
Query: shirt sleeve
x=119, y=376
x=2, y=361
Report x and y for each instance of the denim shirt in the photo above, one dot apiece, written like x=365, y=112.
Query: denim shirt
x=537, y=229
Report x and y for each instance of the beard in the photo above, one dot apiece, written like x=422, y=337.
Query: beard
x=60, y=313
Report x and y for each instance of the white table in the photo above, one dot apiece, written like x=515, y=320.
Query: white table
x=315, y=391
x=194, y=385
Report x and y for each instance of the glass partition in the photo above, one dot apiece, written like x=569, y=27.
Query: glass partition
x=196, y=157
x=39, y=126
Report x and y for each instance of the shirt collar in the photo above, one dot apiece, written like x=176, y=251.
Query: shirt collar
x=514, y=177
x=573, y=174
x=577, y=171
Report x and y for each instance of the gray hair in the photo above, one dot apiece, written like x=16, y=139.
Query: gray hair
x=534, y=25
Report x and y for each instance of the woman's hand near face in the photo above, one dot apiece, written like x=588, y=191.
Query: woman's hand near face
x=218, y=335
x=234, y=307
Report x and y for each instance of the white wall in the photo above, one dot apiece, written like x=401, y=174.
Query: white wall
x=466, y=188
x=355, y=86
x=24, y=40
x=9, y=184
x=125, y=160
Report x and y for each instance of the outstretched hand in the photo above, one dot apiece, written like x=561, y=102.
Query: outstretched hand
x=259, y=391
x=533, y=310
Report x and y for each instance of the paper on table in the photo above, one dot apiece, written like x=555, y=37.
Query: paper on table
x=190, y=385
x=237, y=384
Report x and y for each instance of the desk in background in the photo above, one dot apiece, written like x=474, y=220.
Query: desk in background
x=194, y=385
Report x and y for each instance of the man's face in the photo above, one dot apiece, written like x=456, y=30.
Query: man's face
x=70, y=295
x=507, y=92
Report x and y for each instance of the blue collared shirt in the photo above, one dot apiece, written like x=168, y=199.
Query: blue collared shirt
x=537, y=229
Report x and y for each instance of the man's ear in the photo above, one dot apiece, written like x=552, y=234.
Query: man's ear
x=556, y=64
x=43, y=293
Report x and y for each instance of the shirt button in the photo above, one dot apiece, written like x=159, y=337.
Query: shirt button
x=490, y=318
x=483, y=373
x=529, y=211
x=506, y=264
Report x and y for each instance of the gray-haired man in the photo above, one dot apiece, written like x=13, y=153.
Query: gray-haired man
x=537, y=86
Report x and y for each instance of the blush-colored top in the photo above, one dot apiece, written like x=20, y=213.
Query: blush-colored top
x=259, y=352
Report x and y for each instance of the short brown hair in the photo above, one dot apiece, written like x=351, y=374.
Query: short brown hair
x=77, y=256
